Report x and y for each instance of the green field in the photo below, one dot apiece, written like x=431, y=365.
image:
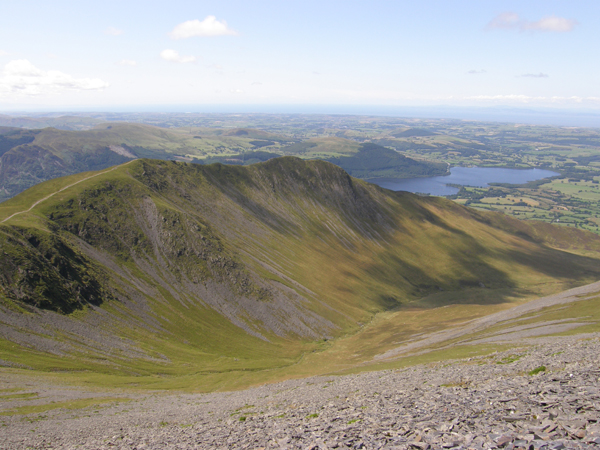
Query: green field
x=562, y=201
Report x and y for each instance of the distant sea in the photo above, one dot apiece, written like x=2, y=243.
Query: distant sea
x=534, y=116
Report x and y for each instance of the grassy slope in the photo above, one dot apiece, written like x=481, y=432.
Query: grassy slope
x=352, y=251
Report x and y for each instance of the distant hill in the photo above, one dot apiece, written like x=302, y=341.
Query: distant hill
x=71, y=123
x=375, y=161
x=359, y=160
x=240, y=159
x=28, y=157
x=322, y=147
x=160, y=269
x=366, y=160
x=251, y=133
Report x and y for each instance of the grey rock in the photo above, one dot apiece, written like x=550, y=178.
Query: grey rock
x=463, y=404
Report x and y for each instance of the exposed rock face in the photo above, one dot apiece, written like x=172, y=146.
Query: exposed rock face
x=498, y=401
x=120, y=150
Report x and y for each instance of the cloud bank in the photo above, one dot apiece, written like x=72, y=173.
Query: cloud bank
x=209, y=27
x=22, y=77
x=519, y=98
x=174, y=56
x=512, y=21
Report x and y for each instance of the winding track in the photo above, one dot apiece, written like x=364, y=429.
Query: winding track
x=421, y=343
x=64, y=188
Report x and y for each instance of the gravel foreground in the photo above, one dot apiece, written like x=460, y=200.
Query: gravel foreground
x=476, y=403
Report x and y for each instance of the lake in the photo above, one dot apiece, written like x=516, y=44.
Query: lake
x=463, y=176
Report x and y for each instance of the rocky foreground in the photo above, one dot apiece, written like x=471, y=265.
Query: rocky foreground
x=505, y=400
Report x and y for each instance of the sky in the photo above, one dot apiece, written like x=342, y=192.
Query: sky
x=143, y=54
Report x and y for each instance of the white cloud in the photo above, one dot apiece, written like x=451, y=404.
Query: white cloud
x=551, y=23
x=505, y=20
x=474, y=71
x=512, y=21
x=210, y=26
x=174, y=56
x=127, y=62
x=236, y=91
x=112, y=31
x=22, y=77
x=4, y=53
x=535, y=75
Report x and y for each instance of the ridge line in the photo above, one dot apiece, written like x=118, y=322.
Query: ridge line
x=64, y=188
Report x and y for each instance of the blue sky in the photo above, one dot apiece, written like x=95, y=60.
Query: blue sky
x=64, y=54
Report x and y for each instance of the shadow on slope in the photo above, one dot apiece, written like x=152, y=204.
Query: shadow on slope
x=204, y=263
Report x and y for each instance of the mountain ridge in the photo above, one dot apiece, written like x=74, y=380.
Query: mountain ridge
x=256, y=263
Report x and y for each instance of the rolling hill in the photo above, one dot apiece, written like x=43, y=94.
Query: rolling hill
x=375, y=161
x=322, y=147
x=159, y=272
x=28, y=157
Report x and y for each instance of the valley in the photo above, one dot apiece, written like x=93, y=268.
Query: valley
x=509, y=393
x=163, y=274
x=224, y=265
x=297, y=226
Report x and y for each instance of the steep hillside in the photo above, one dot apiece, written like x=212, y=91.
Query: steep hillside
x=12, y=137
x=160, y=267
